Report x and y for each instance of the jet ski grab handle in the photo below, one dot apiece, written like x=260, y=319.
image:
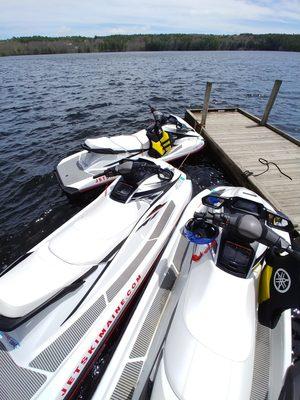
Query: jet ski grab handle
x=127, y=167
x=249, y=227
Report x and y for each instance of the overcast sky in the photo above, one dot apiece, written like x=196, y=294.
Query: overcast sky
x=100, y=17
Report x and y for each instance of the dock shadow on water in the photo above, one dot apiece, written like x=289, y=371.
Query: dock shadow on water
x=205, y=172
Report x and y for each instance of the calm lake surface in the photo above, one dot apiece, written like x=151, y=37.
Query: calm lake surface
x=49, y=104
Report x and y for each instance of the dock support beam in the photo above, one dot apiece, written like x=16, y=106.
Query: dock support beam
x=271, y=101
x=206, y=104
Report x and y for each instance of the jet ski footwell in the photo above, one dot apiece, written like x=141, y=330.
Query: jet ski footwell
x=133, y=378
x=127, y=374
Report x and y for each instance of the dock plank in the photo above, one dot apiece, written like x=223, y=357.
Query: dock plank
x=240, y=141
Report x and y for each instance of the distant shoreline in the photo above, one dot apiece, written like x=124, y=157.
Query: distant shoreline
x=159, y=42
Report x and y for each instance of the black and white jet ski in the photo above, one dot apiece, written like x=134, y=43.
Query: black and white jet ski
x=76, y=173
x=215, y=279
x=61, y=301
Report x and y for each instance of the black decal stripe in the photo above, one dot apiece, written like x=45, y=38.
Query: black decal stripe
x=8, y=324
x=147, y=193
x=151, y=215
x=108, y=150
x=96, y=280
x=124, y=277
x=85, y=296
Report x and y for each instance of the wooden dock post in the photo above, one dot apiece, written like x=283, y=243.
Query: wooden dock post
x=206, y=103
x=271, y=101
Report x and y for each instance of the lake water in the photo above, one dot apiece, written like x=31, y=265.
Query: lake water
x=50, y=104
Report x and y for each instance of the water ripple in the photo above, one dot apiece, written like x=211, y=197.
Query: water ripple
x=50, y=104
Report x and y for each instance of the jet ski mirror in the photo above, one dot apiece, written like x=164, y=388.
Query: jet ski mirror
x=279, y=222
x=213, y=201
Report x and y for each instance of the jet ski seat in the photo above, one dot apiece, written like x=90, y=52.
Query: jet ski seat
x=120, y=143
x=43, y=275
x=69, y=255
x=74, y=246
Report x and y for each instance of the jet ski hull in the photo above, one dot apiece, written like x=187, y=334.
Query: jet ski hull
x=47, y=356
x=127, y=374
x=75, y=173
x=226, y=353
x=159, y=348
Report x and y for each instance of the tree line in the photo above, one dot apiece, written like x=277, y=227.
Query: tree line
x=158, y=42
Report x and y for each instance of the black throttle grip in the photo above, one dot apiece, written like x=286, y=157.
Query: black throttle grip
x=271, y=238
x=108, y=172
x=222, y=219
x=199, y=215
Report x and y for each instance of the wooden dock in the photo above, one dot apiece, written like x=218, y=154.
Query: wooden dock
x=239, y=140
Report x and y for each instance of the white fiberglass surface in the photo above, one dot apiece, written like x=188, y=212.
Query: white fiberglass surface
x=33, y=281
x=214, y=299
x=215, y=325
x=92, y=163
x=91, y=237
x=162, y=389
x=124, y=142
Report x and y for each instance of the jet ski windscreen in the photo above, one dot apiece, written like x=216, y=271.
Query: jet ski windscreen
x=246, y=206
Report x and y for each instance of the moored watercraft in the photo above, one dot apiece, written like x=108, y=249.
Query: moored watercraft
x=60, y=303
x=208, y=324
x=77, y=172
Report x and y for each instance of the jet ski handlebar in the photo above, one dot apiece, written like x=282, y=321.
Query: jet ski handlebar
x=161, y=119
x=250, y=228
x=131, y=166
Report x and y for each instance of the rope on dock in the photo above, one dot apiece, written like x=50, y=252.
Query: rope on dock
x=267, y=163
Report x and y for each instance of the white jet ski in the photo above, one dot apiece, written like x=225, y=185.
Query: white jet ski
x=77, y=172
x=60, y=303
x=214, y=277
